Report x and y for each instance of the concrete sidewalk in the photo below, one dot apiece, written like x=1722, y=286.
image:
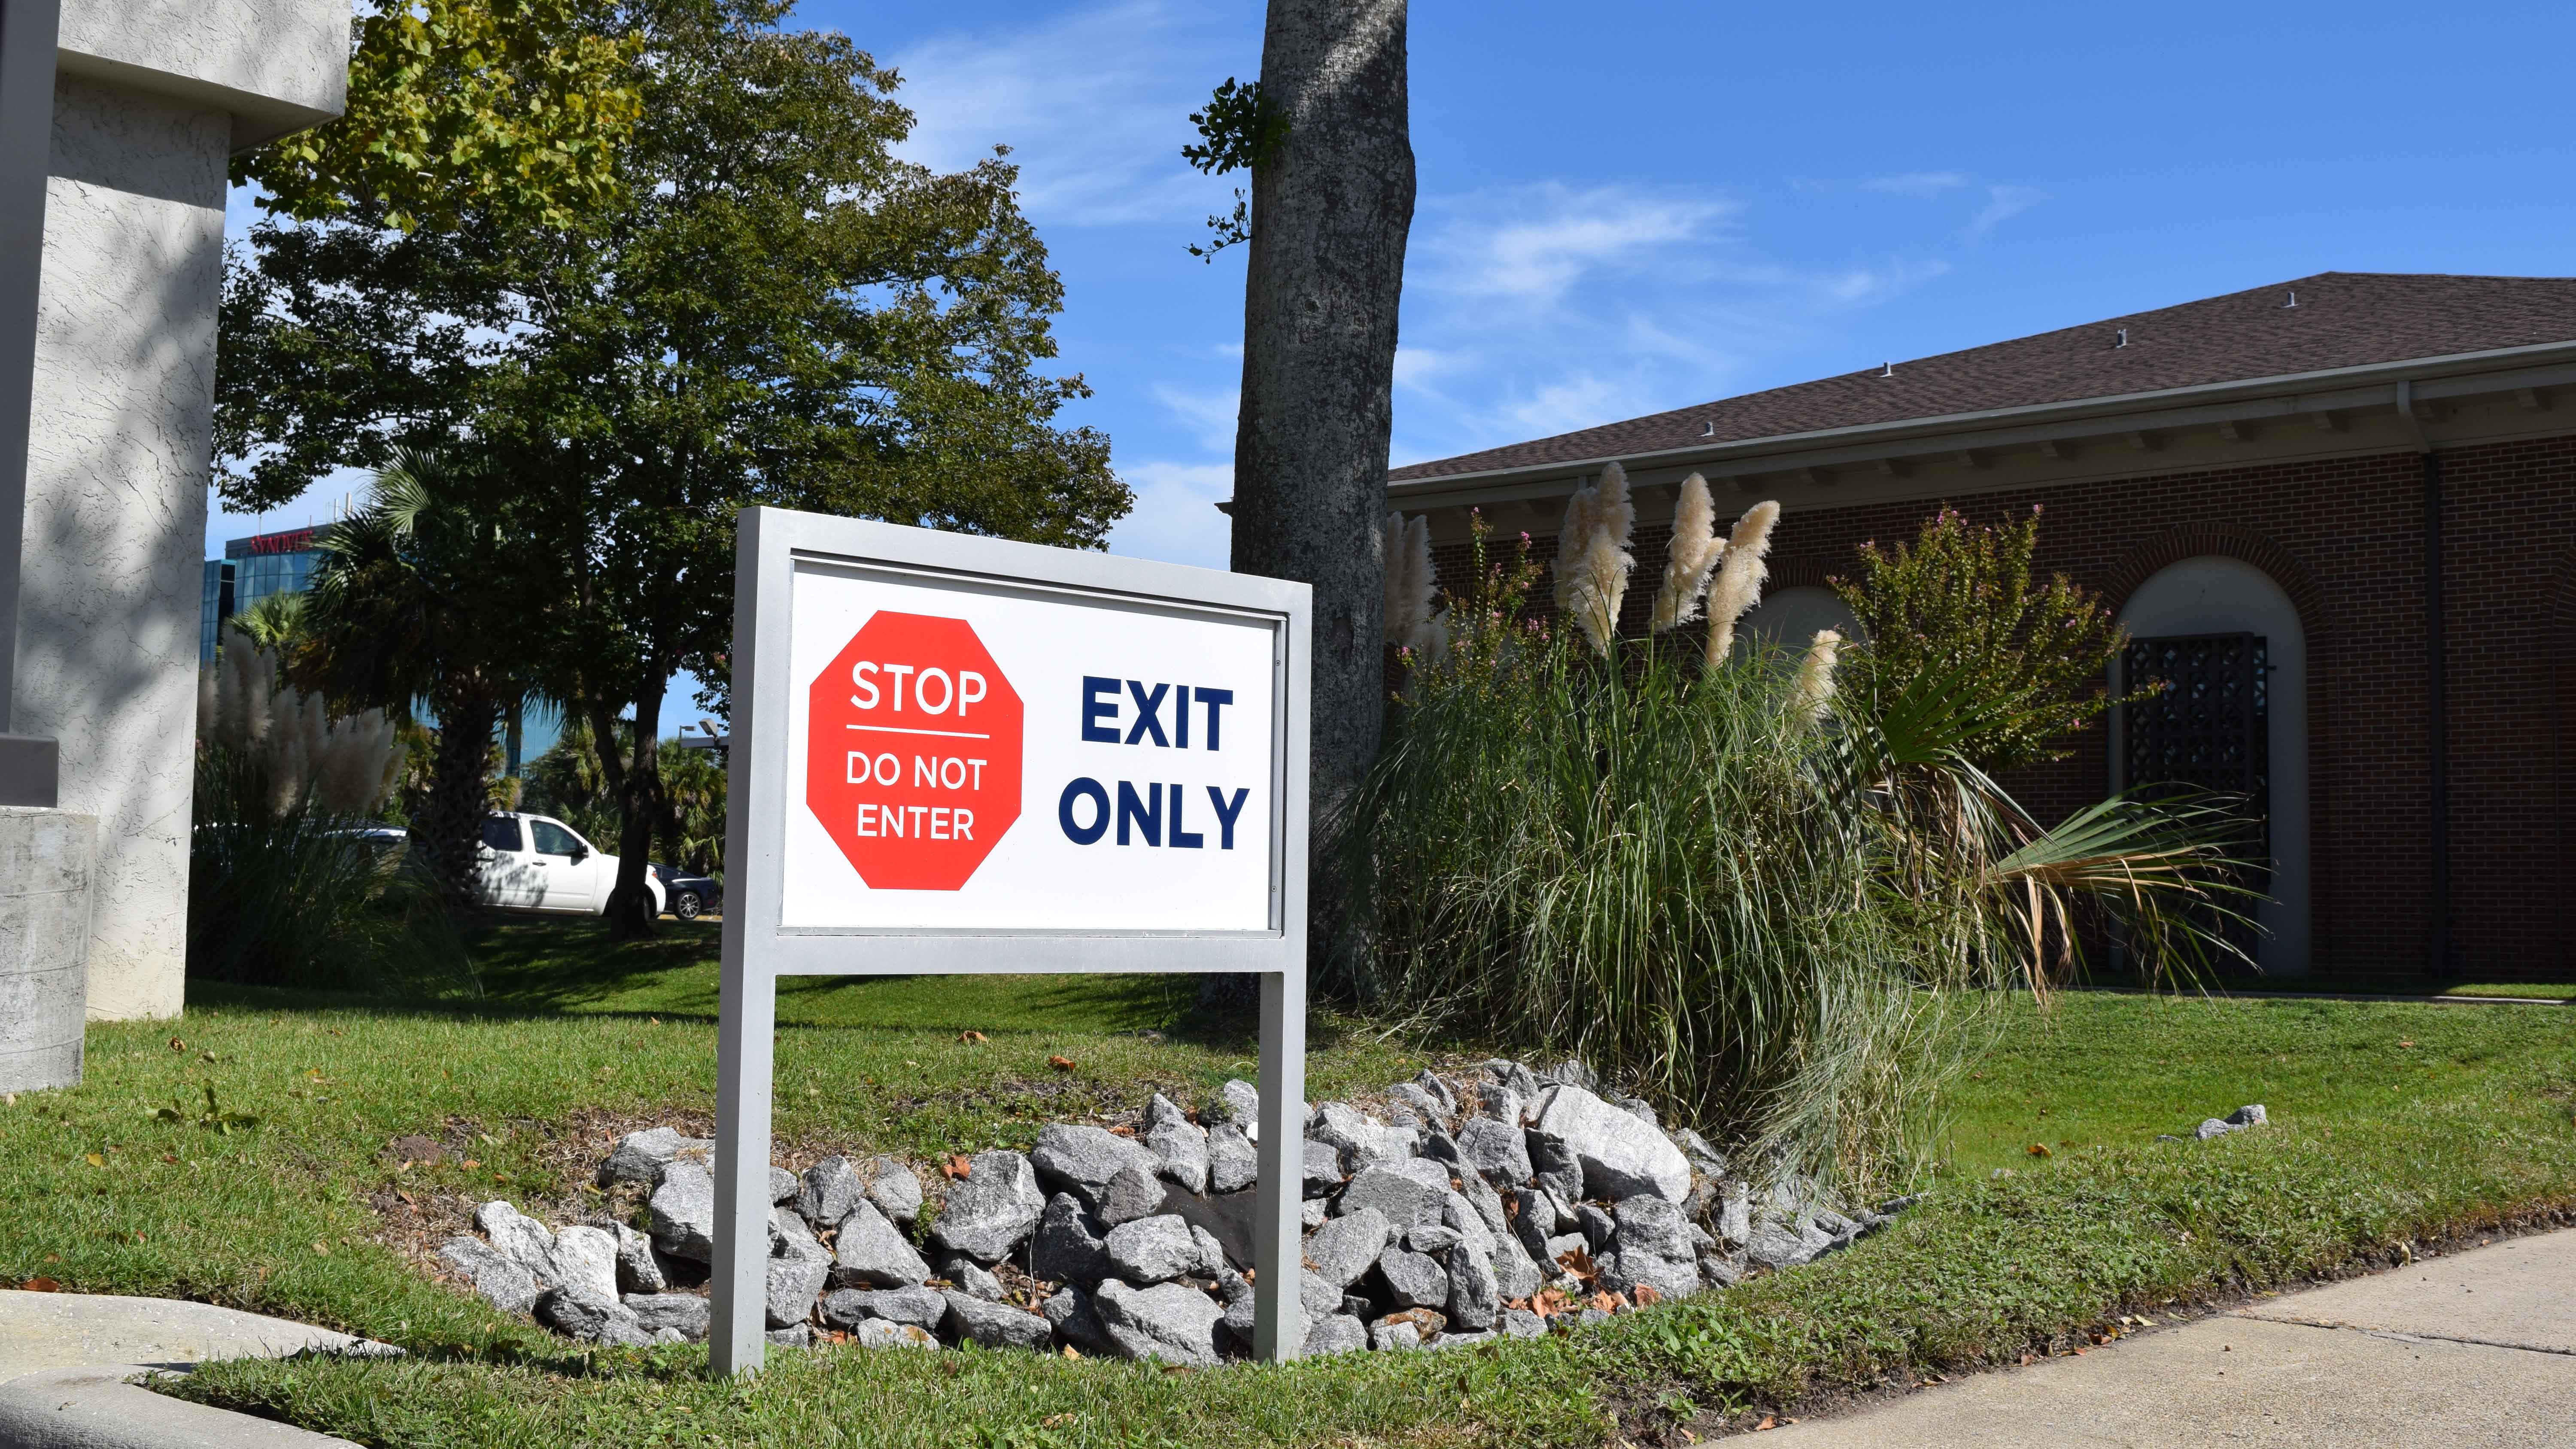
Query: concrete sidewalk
x=2472, y=1351
x=69, y=1362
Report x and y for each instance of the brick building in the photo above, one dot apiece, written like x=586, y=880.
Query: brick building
x=2340, y=511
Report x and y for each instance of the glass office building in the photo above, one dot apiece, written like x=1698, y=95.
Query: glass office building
x=250, y=570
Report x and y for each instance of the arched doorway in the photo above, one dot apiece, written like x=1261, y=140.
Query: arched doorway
x=2228, y=634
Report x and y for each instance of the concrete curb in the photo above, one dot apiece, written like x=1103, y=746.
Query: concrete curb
x=103, y=1408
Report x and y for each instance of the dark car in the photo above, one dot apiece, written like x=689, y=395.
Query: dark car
x=688, y=896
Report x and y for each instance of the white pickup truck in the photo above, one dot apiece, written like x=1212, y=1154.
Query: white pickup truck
x=538, y=863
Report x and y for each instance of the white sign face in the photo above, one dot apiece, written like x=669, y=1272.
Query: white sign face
x=971, y=755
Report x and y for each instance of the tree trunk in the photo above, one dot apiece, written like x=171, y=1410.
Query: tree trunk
x=636, y=781
x=1331, y=207
x=451, y=819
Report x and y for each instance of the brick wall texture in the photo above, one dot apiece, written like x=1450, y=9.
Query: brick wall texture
x=2345, y=540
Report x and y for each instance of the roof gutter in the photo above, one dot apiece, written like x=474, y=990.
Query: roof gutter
x=2428, y=377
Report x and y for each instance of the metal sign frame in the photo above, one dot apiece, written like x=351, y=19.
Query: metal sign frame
x=772, y=546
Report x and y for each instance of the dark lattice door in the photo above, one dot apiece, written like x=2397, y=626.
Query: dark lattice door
x=2207, y=728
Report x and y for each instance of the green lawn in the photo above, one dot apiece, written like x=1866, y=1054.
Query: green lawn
x=2393, y=1122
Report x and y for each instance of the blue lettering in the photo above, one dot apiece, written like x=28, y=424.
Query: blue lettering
x=1214, y=699
x=1225, y=813
x=1148, y=707
x=1181, y=719
x=1096, y=709
x=1085, y=834
x=1147, y=814
x=1183, y=839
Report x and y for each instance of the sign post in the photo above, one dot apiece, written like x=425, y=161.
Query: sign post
x=955, y=754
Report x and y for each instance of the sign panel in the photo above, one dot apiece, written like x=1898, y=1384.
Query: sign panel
x=974, y=756
x=957, y=754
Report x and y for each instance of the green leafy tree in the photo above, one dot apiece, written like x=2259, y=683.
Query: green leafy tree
x=505, y=107
x=1961, y=602
x=772, y=308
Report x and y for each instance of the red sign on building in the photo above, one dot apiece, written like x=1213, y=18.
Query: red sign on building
x=913, y=752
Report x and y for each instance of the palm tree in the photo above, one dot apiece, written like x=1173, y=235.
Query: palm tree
x=406, y=609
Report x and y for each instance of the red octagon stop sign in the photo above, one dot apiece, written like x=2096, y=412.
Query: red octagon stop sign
x=912, y=752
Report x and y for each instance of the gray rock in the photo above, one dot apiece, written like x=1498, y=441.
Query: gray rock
x=1239, y=1102
x=1343, y=1248
x=996, y=1325
x=1435, y=1238
x=886, y=1333
x=782, y=1186
x=1500, y=1103
x=1834, y=1223
x=829, y=1190
x=1590, y=1317
x=1336, y=1333
x=1179, y=1145
x=893, y=1188
x=1521, y=1323
x=1233, y=1162
x=585, y=1263
x=1172, y=1322
x=870, y=1251
x=1621, y=1156
x=683, y=1212
x=1407, y=1193
x=990, y=1209
x=1414, y=1280
x=1311, y=1213
x=682, y=1313
x=1317, y=1298
x=846, y=1308
x=1498, y=1149
x=969, y=1277
x=1439, y=1091
x=498, y=1277
x=1774, y=1246
x=795, y=1335
x=1704, y=1159
x=520, y=1238
x=611, y=1322
x=1242, y=1308
x=1735, y=1216
x=1564, y=1243
x=1323, y=1168
x=1639, y=1108
x=1153, y=1250
x=641, y=1156
x=1722, y=1270
x=1076, y=1322
x=1082, y=1160
x=2213, y=1127
x=1388, y=1337
x=1443, y=1147
x=1515, y=1078
x=639, y=1268
x=1358, y=1137
x=1456, y=1338
x=1554, y=1169
x=1068, y=1247
x=2249, y=1115
x=1629, y=1269
x=1358, y=1305
x=1212, y=1260
x=1651, y=1224
x=1597, y=1227
x=1573, y=1074
x=1422, y=1102
x=796, y=1277
x=1475, y=1296
x=1136, y=1192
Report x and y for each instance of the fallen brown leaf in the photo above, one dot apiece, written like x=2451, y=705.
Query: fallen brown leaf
x=1061, y=1064
x=1122, y=1130
x=2040, y=1149
x=177, y=1045
x=1767, y=1423
x=1645, y=1294
x=958, y=1166
x=469, y=1162
x=971, y=1036
x=40, y=1285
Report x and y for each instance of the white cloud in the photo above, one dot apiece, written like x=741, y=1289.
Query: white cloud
x=1209, y=413
x=2003, y=202
x=1535, y=244
x=1917, y=184
x=1176, y=518
x=1094, y=105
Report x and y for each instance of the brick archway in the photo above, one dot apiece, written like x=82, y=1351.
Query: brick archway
x=2196, y=540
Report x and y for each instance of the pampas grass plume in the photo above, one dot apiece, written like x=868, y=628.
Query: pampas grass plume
x=1816, y=674
x=1739, y=578
x=1572, y=537
x=1691, y=559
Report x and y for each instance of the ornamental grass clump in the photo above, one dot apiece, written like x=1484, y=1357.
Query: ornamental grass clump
x=1779, y=906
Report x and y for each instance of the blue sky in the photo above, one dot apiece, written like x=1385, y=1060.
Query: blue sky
x=1633, y=205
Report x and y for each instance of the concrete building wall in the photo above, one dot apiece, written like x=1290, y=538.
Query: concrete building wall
x=118, y=466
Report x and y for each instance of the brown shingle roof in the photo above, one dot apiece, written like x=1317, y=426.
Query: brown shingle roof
x=2344, y=319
